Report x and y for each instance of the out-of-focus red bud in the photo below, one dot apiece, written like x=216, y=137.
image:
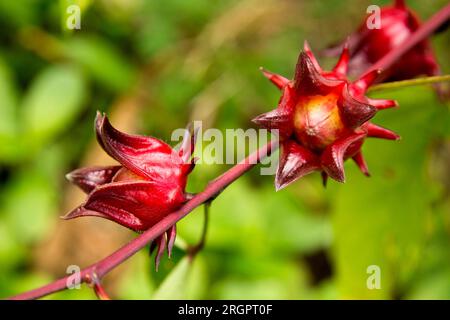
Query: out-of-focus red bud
x=367, y=46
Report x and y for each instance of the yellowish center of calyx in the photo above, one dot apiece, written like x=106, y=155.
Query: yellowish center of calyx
x=317, y=122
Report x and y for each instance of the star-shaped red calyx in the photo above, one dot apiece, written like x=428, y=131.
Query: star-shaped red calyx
x=322, y=119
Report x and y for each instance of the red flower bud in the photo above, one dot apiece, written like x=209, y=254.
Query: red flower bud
x=148, y=185
x=322, y=119
x=398, y=23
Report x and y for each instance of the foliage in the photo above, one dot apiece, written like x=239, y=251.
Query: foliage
x=163, y=63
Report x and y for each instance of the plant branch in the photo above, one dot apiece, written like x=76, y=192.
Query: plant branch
x=408, y=83
x=213, y=189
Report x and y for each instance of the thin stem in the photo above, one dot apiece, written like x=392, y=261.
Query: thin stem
x=100, y=292
x=427, y=28
x=95, y=283
x=107, y=264
x=192, y=251
x=408, y=83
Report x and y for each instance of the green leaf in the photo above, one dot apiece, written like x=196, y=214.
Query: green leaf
x=102, y=61
x=434, y=286
x=278, y=224
x=29, y=206
x=186, y=281
x=8, y=97
x=19, y=12
x=53, y=102
x=382, y=220
x=11, y=251
x=135, y=283
x=8, y=109
x=269, y=277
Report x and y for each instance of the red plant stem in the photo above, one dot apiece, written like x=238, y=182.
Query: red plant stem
x=427, y=28
x=215, y=187
x=94, y=281
x=100, y=292
x=107, y=264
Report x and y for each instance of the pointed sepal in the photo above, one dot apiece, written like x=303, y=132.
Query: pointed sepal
x=375, y=131
x=361, y=163
x=310, y=54
x=295, y=162
x=135, y=205
x=354, y=112
x=188, y=144
x=146, y=156
x=382, y=104
x=87, y=179
x=161, y=246
x=367, y=80
x=279, y=81
x=332, y=158
x=308, y=78
x=276, y=119
x=342, y=65
x=171, y=236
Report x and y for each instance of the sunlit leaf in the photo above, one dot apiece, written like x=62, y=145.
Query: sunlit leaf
x=102, y=61
x=8, y=110
x=186, y=281
x=29, y=206
x=54, y=100
x=381, y=221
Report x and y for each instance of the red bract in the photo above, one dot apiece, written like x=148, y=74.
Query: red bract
x=398, y=23
x=322, y=119
x=149, y=184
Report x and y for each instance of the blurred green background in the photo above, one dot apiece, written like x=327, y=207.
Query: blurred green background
x=155, y=65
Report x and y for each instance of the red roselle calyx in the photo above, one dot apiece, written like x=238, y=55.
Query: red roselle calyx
x=367, y=46
x=322, y=119
x=148, y=184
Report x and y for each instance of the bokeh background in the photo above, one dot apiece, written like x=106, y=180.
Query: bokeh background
x=155, y=65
